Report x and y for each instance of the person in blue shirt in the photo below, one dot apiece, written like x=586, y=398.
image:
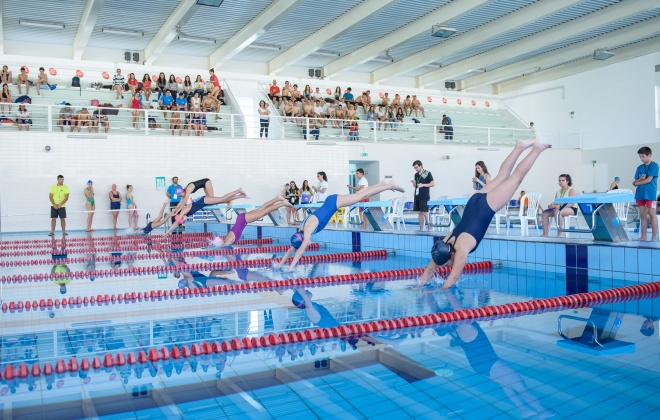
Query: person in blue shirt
x=348, y=96
x=174, y=193
x=166, y=102
x=181, y=102
x=646, y=181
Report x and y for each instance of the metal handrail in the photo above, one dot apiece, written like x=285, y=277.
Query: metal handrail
x=575, y=318
x=569, y=230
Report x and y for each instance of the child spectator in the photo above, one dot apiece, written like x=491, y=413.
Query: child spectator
x=5, y=75
x=23, y=80
x=5, y=97
x=646, y=181
x=23, y=118
x=42, y=80
x=166, y=103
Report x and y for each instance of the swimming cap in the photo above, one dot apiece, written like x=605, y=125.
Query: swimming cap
x=217, y=241
x=298, y=300
x=296, y=240
x=90, y=182
x=616, y=178
x=183, y=283
x=441, y=252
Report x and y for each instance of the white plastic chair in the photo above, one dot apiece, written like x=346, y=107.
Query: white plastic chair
x=621, y=208
x=396, y=215
x=526, y=214
x=503, y=213
x=439, y=215
x=567, y=221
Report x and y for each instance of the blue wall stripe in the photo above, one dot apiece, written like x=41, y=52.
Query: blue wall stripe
x=356, y=241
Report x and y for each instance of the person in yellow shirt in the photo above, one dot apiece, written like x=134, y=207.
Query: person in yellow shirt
x=59, y=195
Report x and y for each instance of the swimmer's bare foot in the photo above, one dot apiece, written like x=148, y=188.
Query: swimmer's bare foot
x=280, y=198
x=542, y=146
x=396, y=187
x=242, y=191
x=526, y=143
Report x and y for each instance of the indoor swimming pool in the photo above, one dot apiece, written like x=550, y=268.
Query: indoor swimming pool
x=133, y=327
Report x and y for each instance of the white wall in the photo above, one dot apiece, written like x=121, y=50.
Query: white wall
x=613, y=105
x=260, y=167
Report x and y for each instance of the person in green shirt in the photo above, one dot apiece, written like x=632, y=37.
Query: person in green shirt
x=59, y=195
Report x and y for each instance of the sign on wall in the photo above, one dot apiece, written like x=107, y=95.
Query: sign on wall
x=160, y=183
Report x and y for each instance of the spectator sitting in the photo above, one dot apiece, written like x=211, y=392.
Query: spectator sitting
x=399, y=114
x=118, y=83
x=520, y=203
x=146, y=86
x=210, y=104
x=348, y=96
x=199, y=86
x=317, y=95
x=5, y=75
x=187, y=87
x=173, y=86
x=296, y=95
x=319, y=113
x=371, y=115
x=391, y=118
x=286, y=91
x=381, y=117
x=23, y=80
x=307, y=93
x=407, y=106
x=166, y=103
x=161, y=85
x=42, y=80
x=274, y=94
x=175, y=122
x=567, y=190
x=181, y=102
x=314, y=130
x=132, y=83
x=385, y=100
x=396, y=102
x=23, y=118
x=417, y=106
x=100, y=119
x=5, y=97
x=84, y=119
x=195, y=102
x=66, y=117
x=330, y=113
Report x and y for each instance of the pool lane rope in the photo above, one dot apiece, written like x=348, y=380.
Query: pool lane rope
x=146, y=246
x=251, y=287
x=157, y=255
x=119, y=360
x=47, y=243
x=218, y=265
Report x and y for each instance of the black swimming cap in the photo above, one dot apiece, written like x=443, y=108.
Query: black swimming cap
x=441, y=252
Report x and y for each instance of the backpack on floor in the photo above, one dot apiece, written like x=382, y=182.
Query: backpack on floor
x=23, y=99
x=75, y=81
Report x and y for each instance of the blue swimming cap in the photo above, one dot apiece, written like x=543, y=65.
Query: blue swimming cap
x=298, y=300
x=90, y=182
x=183, y=283
x=441, y=252
x=616, y=178
x=296, y=240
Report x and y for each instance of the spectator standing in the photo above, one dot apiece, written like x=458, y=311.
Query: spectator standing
x=118, y=83
x=136, y=106
x=447, y=127
x=132, y=208
x=174, y=193
x=293, y=195
x=58, y=196
x=322, y=189
x=264, y=119
x=481, y=175
x=115, y=204
x=90, y=204
x=422, y=182
x=646, y=181
x=362, y=183
x=216, y=89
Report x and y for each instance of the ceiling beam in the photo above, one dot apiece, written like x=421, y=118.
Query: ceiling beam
x=87, y=23
x=583, y=24
x=471, y=38
x=167, y=32
x=252, y=31
x=618, y=37
x=622, y=54
x=372, y=50
x=326, y=34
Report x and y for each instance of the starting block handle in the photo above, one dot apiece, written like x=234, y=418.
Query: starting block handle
x=593, y=221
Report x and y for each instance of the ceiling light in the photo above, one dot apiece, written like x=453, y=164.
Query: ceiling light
x=602, y=54
x=196, y=39
x=42, y=24
x=122, y=32
x=327, y=53
x=382, y=60
x=442, y=31
x=265, y=47
x=213, y=3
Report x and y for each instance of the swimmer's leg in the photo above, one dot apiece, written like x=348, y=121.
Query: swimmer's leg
x=267, y=207
x=364, y=193
x=507, y=166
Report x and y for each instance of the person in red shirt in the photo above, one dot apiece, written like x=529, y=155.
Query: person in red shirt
x=146, y=86
x=274, y=94
x=216, y=89
x=132, y=83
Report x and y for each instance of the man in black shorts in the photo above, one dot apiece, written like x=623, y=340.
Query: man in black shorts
x=59, y=195
x=422, y=182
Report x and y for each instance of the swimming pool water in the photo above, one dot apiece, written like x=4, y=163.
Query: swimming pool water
x=416, y=373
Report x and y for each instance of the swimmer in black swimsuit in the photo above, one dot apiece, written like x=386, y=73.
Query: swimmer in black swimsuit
x=158, y=221
x=479, y=211
x=191, y=188
x=204, y=201
x=318, y=220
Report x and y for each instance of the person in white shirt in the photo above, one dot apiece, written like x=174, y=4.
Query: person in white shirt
x=118, y=83
x=318, y=95
x=319, y=113
x=362, y=183
x=322, y=190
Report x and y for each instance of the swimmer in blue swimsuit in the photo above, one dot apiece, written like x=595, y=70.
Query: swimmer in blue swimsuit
x=481, y=207
x=158, y=221
x=202, y=202
x=317, y=221
x=243, y=219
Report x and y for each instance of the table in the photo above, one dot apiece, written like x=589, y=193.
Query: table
x=454, y=207
x=600, y=215
x=373, y=211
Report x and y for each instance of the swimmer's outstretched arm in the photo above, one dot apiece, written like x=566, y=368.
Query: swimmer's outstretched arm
x=460, y=257
x=299, y=252
x=286, y=256
x=160, y=220
x=428, y=273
